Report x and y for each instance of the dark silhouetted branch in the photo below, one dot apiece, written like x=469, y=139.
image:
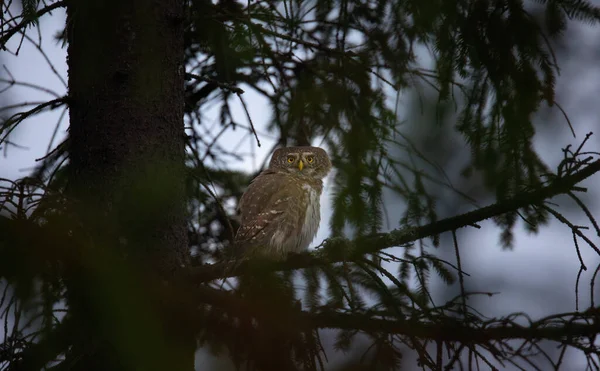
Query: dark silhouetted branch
x=25, y=22
x=446, y=330
x=562, y=327
x=346, y=250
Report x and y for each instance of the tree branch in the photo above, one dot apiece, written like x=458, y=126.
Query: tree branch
x=12, y=31
x=447, y=330
x=563, y=327
x=346, y=250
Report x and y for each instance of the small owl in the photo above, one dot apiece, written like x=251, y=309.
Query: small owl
x=280, y=210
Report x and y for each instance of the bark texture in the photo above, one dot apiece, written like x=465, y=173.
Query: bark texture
x=126, y=182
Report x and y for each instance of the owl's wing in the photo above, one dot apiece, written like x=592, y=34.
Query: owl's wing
x=268, y=205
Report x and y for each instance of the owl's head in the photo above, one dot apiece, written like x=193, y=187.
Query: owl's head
x=312, y=162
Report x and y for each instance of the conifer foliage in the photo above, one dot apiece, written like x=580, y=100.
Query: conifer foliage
x=114, y=249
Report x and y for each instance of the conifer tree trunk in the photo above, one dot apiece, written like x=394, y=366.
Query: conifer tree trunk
x=126, y=182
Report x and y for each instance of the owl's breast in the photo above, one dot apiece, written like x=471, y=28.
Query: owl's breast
x=312, y=217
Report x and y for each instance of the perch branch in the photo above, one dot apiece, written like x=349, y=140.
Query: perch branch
x=374, y=243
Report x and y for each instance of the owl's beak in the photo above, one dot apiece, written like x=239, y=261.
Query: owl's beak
x=300, y=165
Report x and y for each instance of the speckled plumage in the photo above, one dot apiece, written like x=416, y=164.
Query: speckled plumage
x=280, y=210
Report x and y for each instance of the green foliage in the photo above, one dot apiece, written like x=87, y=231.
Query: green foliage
x=331, y=80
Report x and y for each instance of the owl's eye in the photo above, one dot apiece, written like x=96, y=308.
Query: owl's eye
x=290, y=159
x=310, y=159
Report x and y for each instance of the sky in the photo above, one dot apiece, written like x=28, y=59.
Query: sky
x=537, y=276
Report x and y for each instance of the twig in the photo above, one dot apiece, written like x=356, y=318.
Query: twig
x=461, y=280
x=10, y=33
x=249, y=119
x=222, y=85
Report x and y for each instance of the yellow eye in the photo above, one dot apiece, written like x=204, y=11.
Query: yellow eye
x=290, y=159
x=310, y=159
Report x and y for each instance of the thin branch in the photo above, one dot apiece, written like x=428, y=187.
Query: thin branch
x=570, y=327
x=374, y=243
x=461, y=279
x=455, y=331
x=223, y=85
x=25, y=22
x=249, y=118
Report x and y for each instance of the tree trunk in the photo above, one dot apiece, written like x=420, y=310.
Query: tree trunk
x=126, y=182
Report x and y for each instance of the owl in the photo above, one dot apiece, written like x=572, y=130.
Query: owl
x=280, y=210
